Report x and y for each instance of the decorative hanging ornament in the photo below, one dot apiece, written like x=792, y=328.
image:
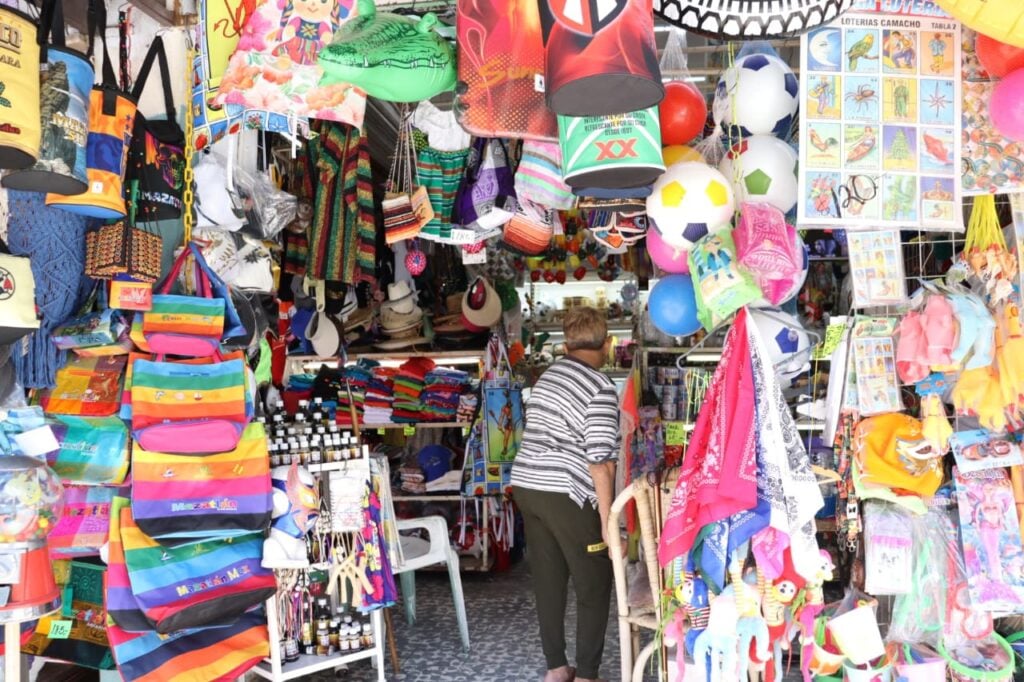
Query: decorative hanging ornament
x=415, y=261
x=746, y=20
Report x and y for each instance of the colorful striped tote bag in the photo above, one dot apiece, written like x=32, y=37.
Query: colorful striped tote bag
x=181, y=498
x=216, y=654
x=119, y=601
x=186, y=325
x=189, y=409
x=195, y=585
x=122, y=607
x=111, y=120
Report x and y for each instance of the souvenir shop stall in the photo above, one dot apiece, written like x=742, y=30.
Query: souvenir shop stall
x=276, y=278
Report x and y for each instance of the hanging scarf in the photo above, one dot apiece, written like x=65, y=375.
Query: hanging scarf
x=343, y=233
x=785, y=475
x=719, y=472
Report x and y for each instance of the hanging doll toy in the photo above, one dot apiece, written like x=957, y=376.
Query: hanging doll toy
x=807, y=613
x=778, y=598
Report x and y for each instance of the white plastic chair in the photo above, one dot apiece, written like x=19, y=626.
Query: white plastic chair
x=419, y=553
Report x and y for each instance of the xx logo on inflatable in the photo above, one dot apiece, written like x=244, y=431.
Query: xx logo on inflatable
x=616, y=149
x=586, y=16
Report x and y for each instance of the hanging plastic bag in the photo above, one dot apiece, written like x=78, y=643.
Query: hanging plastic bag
x=721, y=286
x=683, y=111
x=268, y=209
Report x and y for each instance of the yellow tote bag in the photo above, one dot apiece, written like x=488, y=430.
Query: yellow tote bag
x=19, y=90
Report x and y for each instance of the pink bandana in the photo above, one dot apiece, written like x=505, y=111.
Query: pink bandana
x=719, y=473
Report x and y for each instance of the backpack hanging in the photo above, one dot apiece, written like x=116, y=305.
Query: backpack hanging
x=19, y=97
x=111, y=120
x=156, y=156
x=65, y=78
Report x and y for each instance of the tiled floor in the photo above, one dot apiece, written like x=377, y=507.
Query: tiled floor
x=502, y=630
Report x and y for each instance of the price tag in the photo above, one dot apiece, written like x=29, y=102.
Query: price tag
x=59, y=629
x=409, y=431
x=675, y=433
x=477, y=258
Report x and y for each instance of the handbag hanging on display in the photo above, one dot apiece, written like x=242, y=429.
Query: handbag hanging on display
x=185, y=325
x=86, y=387
x=111, y=120
x=156, y=156
x=487, y=198
x=502, y=405
x=17, y=294
x=95, y=324
x=189, y=409
x=196, y=584
x=406, y=208
x=19, y=72
x=122, y=248
x=65, y=78
x=85, y=644
x=178, y=499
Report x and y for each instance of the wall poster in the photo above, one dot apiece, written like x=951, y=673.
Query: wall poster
x=880, y=105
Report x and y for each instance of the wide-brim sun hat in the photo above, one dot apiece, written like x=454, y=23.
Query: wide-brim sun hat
x=481, y=305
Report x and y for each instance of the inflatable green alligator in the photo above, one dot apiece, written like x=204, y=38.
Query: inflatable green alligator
x=391, y=57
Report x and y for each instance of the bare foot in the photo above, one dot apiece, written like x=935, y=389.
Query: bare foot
x=563, y=674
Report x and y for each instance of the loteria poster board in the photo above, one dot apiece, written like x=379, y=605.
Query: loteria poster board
x=880, y=96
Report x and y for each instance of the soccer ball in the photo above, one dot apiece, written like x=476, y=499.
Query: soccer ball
x=762, y=168
x=765, y=93
x=787, y=341
x=688, y=201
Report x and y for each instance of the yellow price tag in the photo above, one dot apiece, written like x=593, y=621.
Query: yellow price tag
x=59, y=629
x=409, y=431
x=675, y=433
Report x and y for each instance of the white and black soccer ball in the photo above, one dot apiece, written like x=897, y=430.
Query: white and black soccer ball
x=760, y=95
x=762, y=168
x=788, y=343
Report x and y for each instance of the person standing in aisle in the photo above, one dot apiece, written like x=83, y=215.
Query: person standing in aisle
x=563, y=481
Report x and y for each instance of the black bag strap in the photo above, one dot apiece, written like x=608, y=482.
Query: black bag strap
x=156, y=51
x=97, y=21
x=51, y=27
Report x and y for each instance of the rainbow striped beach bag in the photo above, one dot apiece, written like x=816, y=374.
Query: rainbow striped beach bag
x=182, y=498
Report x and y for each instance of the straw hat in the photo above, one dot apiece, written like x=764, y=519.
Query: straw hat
x=400, y=298
x=481, y=305
x=324, y=332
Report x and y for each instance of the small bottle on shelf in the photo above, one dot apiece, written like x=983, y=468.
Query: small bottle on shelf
x=275, y=456
x=334, y=634
x=367, y=636
x=354, y=641
x=308, y=647
x=315, y=451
